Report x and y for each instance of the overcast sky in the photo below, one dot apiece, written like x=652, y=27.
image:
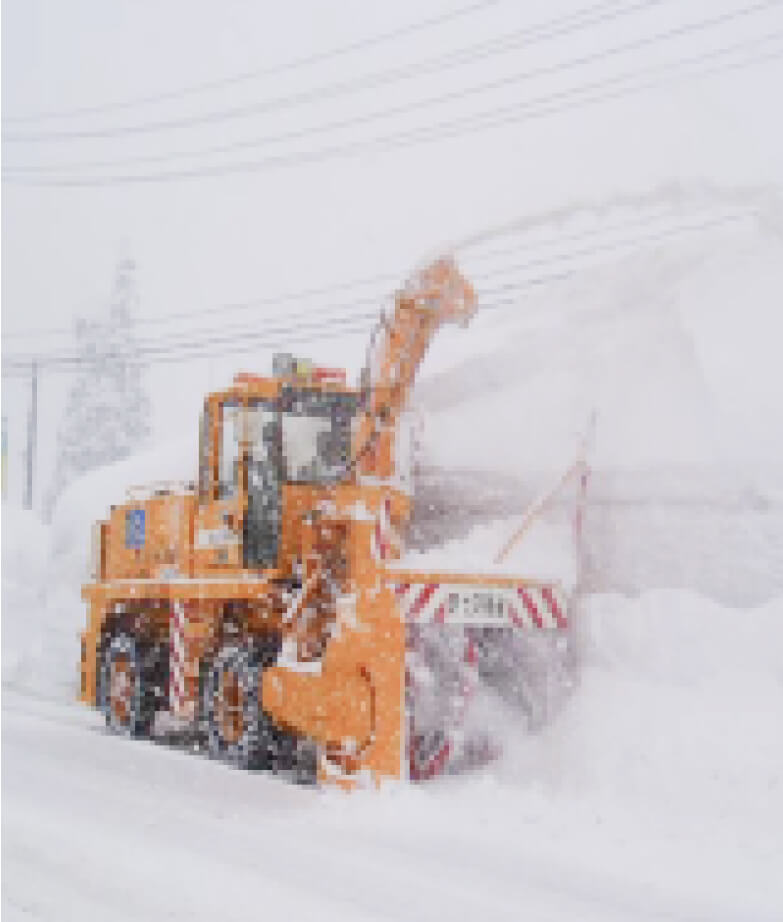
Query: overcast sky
x=211, y=240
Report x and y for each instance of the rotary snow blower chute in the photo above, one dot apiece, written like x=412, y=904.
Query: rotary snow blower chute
x=262, y=614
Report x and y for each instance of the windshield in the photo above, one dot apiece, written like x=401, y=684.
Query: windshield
x=317, y=436
x=312, y=429
x=255, y=427
x=310, y=450
x=228, y=462
x=204, y=451
x=261, y=437
x=262, y=522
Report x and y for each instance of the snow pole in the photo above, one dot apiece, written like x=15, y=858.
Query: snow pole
x=579, y=469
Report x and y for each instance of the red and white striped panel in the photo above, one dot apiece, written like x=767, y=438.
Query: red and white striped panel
x=386, y=541
x=544, y=607
x=177, y=659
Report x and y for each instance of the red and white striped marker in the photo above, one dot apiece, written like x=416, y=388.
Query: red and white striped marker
x=579, y=522
x=177, y=660
x=386, y=542
x=426, y=765
x=542, y=607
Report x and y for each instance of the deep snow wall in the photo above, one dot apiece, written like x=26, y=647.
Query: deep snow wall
x=673, y=345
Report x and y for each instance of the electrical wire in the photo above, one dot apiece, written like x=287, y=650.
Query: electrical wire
x=375, y=280
x=153, y=351
x=532, y=109
x=342, y=124
x=274, y=71
x=368, y=302
x=251, y=304
x=555, y=28
x=226, y=333
x=290, y=337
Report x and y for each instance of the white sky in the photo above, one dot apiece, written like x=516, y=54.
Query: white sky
x=214, y=241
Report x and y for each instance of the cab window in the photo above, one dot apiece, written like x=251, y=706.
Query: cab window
x=306, y=449
x=316, y=436
x=204, y=453
x=228, y=459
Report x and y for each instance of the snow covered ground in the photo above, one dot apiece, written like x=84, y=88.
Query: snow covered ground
x=657, y=793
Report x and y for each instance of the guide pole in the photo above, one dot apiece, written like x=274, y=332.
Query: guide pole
x=32, y=432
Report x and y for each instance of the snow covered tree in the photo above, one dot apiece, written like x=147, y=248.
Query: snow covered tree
x=107, y=413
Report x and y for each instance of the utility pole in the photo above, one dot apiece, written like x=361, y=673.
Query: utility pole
x=32, y=432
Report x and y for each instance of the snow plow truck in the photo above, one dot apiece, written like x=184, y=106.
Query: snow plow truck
x=263, y=613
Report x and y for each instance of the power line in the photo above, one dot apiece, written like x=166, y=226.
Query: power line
x=291, y=336
x=222, y=309
x=762, y=202
x=543, y=106
x=577, y=21
x=242, y=77
x=591, y=233
x=251, y=304
x=368, y=301
x=363, y=327
x=153, y=351
x=531, y=109
x=501, y=116
x=223, y=333
x=610, y=247
x=419, y=104
x=360, y=325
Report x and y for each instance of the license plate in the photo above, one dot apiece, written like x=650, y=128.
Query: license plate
x=485, y=604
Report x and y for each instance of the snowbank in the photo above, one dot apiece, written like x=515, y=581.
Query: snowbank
x=677, y=709
x=25, y=556
x=657, y=342
x=546, y=551
x=44, y=567
x=656, y=794
x=89, y=498
x=674, y=347
x=665, y=769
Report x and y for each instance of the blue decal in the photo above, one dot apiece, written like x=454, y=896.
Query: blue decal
x=135, y=526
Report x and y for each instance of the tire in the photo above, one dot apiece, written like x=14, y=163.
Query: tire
x=126, y=695
x=238, y=730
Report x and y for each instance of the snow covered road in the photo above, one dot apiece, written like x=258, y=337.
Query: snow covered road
x=96, y=827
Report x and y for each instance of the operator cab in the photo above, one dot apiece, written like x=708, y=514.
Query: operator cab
x=264, y=433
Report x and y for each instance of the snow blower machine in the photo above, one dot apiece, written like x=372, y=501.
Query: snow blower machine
x=265, y=614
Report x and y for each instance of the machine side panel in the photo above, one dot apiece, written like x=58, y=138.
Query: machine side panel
x=150, y=538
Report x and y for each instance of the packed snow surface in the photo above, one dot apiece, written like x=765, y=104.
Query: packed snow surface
x=655, y=794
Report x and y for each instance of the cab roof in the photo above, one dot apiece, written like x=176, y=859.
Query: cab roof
x=323, y=381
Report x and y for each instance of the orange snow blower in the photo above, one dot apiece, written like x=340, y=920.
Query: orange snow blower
x=262, y=613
